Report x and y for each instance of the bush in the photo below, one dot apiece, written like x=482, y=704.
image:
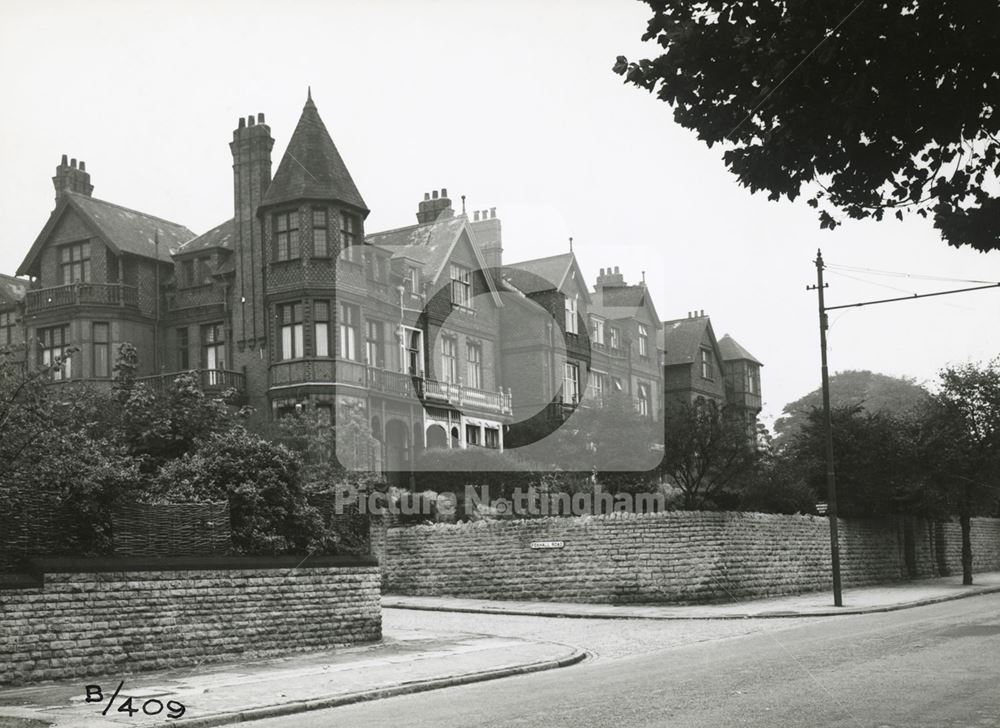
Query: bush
x=268, y=510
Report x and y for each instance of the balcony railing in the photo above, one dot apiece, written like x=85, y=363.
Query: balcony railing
x=75, y=294
x=397, y=384
x=211, y=380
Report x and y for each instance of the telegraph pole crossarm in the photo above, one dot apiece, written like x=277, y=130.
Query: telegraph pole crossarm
x=831, y=479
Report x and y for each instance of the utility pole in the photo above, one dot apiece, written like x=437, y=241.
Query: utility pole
x=831, y=478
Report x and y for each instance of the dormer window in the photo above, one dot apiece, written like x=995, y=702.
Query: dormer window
x=411, y=283
x=461, y=286
x=286, y=236
x=321, y=234
x=571, y=323
x=349, y=237
x=74, y=263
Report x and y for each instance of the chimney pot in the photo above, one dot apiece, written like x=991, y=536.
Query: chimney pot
x=260, y=117
x=444, y=191
x=493, y=212
x=72, y=163
x=65, y=160
x=434, y=194
x=427, y=195
x=250, y=120
x=475, y=216
x=83, y=166
x=243, y=123
x=616, y=270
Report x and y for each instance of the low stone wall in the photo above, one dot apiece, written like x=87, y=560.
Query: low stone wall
x=85, y=618
x=676, y=557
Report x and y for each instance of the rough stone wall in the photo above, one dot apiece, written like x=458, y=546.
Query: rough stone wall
x=675, y=557
x=90, y=624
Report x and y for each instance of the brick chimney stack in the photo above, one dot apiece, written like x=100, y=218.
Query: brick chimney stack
x=434, y=206
x=607, y=279
x=72, y=178
x=251, y=148
x=486, y=227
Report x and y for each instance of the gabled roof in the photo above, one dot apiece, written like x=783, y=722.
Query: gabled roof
x=12, y=290
x=312, y=168
x=431, y=245
x=622, y=301
x=122, y=229
x=681, y=339
x=221, y=236
x=731, y=350
x=544, y=274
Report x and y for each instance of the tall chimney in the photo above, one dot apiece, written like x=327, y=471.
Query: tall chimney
x=71, y=177
x=251, y=149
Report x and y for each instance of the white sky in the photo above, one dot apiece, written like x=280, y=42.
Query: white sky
x=513, y=104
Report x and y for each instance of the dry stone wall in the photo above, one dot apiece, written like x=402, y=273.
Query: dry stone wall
x=676, y=557
x=116, y=620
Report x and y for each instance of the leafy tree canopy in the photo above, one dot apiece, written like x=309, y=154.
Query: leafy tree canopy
x=870, y=391
x=868, y=107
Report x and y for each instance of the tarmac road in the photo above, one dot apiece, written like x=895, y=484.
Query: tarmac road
x=932, y=666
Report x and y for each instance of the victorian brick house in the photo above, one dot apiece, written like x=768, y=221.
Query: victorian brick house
x=697, y=365
x=290, y=301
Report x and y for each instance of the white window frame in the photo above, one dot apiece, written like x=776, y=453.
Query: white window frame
x=571, y=382
x=597, y=330
x=461, y=286
x=572, y=327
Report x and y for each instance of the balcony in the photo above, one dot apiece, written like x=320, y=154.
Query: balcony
x=211, y=380
x=82, y=294
x=462, y=397
x=391, y=383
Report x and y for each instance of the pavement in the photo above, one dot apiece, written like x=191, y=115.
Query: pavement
x=409, y=660
x=861, y=600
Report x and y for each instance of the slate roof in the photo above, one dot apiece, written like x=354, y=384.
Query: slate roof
x=681, y=339
x=221, y=236
x=731, y=350
x=12, y=289
x=311, y=167
x=622, y=301
x=123, y=229
x=430, y=245
x=540, y=274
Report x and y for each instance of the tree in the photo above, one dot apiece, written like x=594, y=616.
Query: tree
x=877, y=461
x=835, y=97
x=872, y=392
x=706, y=449
x=962, y=446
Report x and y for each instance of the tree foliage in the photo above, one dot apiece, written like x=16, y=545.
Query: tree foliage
x=962, y=447
x=707, y=449
x=874, y=393
x=867, y=107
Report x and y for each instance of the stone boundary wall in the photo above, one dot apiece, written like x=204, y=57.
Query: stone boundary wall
x=115, y=619
x=678, y=557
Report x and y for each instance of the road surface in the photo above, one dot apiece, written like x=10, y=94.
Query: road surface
x=928, y=667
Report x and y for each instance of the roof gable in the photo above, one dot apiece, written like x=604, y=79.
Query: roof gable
x=546, y=274
x=623, y=302
x=682, y=339
x=432, y=245
x=120, y=228
x=221, y=236
x=312, y=168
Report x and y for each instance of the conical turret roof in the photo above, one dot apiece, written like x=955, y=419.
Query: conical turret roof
x=311, y=167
